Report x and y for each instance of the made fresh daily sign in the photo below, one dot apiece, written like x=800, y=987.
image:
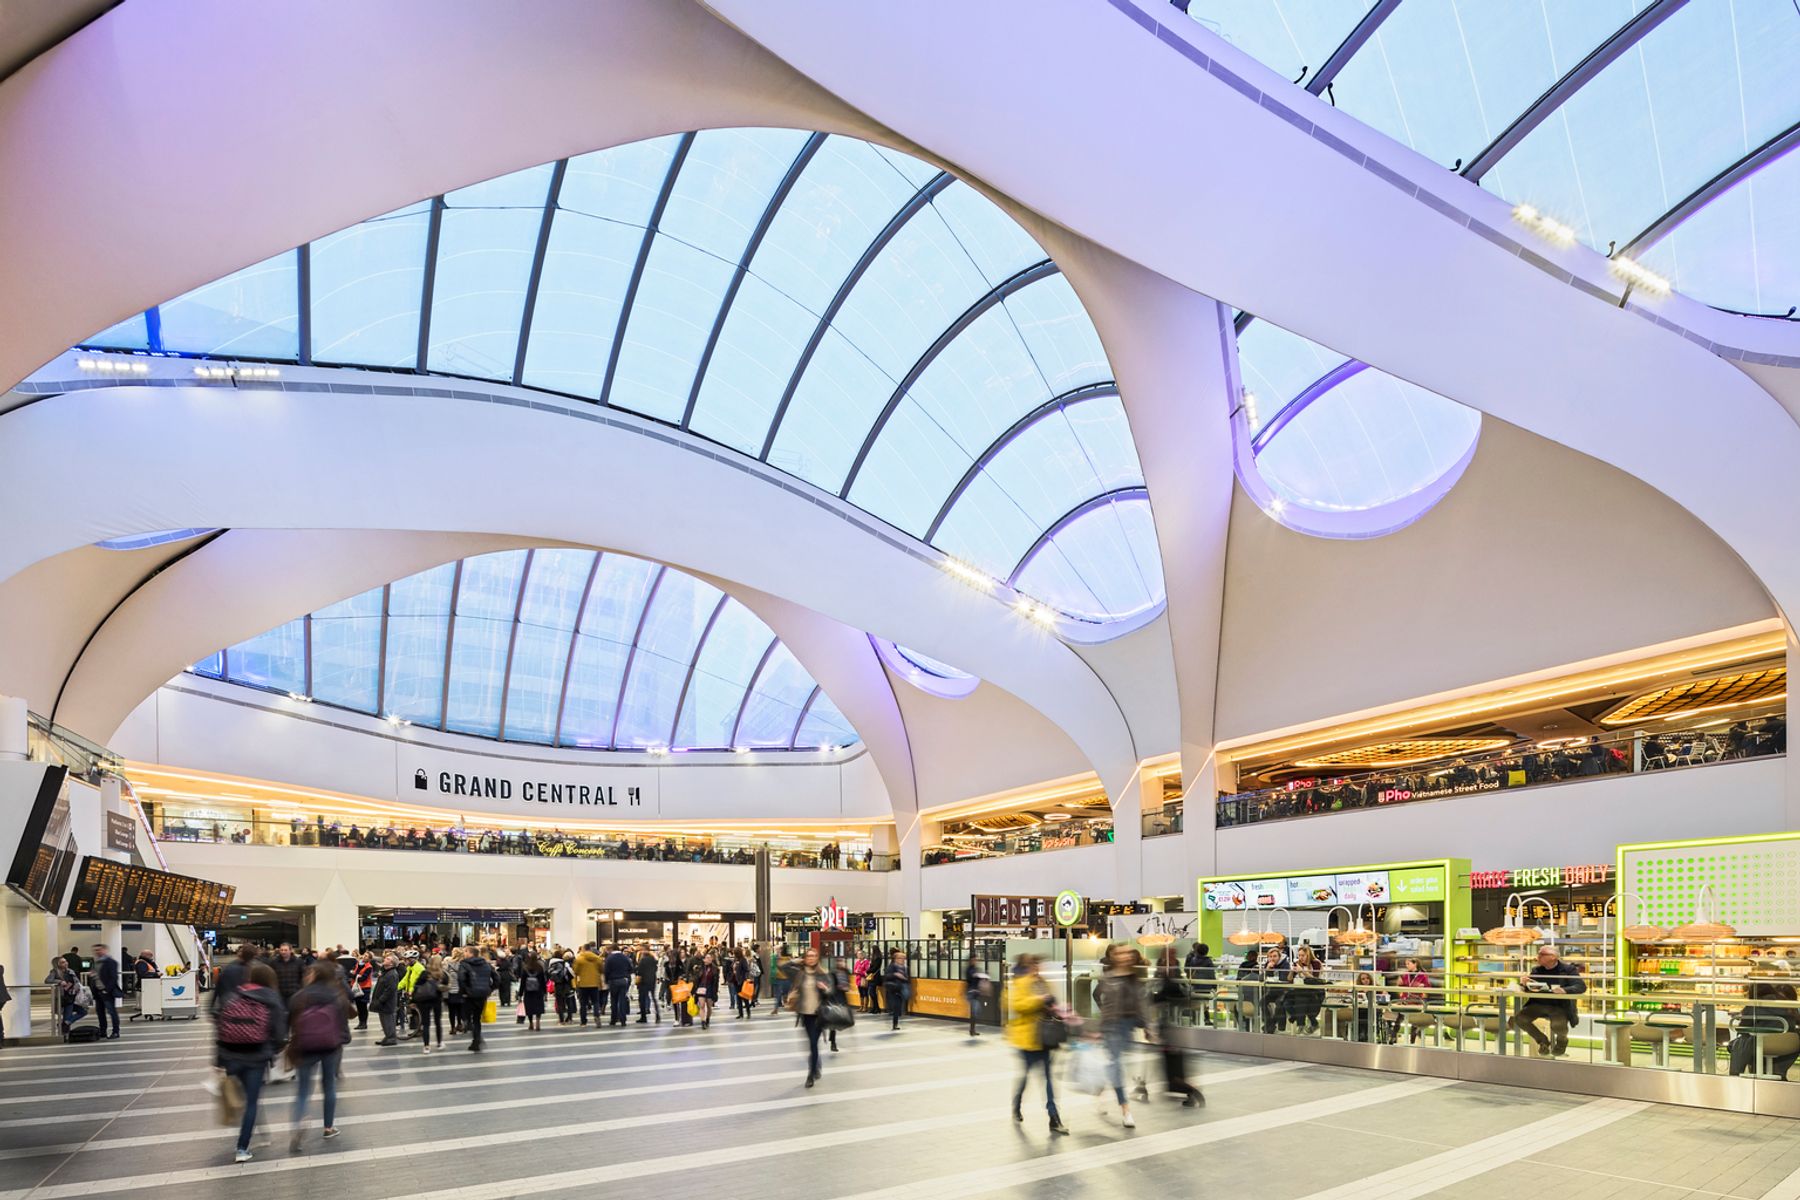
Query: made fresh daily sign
x=1583, y=875
x=503, y=785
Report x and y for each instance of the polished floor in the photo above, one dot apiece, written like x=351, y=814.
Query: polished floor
x=922, y=1113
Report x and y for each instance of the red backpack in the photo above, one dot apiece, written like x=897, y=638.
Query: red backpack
x=243, y=1020
x=316, y=1029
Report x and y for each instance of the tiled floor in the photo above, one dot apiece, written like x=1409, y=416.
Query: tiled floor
x=921, y=1113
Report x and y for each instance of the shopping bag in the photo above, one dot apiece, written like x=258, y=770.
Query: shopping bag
x=1087, y=1073
x=519, y=1012
x=693, y=1007
x=748, y=991
x=679, y=992
x=490, y=1012
x=228, y=1100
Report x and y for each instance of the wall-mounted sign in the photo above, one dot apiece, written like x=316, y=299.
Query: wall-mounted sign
x=1069, y=908
x=426, y=775
x=833, y=915
x=1010, y=912
x=1181, y=926
x=1582, y=875
x=1417, y=885
x=121, y=832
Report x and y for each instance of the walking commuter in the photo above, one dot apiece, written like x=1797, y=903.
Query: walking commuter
x=505, y=965
x=706, y=988
x=362, y=980
x=1173, y=994
x=740, y=984
x=319, y=1018
x=5, y=999
x=1123, y=1012
x=562, y=974
x=429, y=996
x=384, y=998
x=812, y=987
x=896, y=981
x=617, y=972
x=248, y=1029
x=233, y=974
x=785, y=966
x=449, y=994
x=290, y=972
x=1030, y=1003
x=645, y=974
x=754, y=960
x=477, y=985
x=681, y=987
x=534, y=982
x=976, y=984
x=106, y=991
x=587, y=983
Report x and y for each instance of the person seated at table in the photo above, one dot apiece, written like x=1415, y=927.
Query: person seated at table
x=1777, y=1026
x=1547, y=982
x=1412, y=981
x=1365, y=996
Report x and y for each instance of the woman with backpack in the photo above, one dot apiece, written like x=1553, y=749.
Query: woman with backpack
x=428, y=997
x=562, y=974
x=248, y=1028
x=533, y=982
x=318, y=1031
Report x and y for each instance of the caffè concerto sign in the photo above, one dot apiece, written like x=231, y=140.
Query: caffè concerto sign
x=510, y=786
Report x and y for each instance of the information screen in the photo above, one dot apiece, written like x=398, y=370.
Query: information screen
x=46, y=851
x=110, y=891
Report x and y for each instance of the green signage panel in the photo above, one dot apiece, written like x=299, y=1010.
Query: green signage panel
x=1418, y=885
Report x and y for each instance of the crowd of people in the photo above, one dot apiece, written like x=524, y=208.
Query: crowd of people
x=552, y=843
x=80, y=984
x=1527, y=766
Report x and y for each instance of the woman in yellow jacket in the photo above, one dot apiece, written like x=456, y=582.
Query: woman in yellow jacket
x=1028, y=1000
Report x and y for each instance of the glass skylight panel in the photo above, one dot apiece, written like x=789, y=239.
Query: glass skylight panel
x=213, y=664
x=914, y=290
x=833, y=213
x=547, y=614
x=1059, y=334
x=916, y=171
x=987, y=527
x=276, y=659
x=346, y=652
x=1286, y=35
x=1105, y=435
x=824, y=726
x=1276, y=366
x=1712, y=82
x=609, y=624
x=253, y=312
x=619, y=184
x=728, y=658
x=587, y=268
x=773, y=709
x=982, y=382
x=831, y=412
x=1742, y=250
x=367, y=281
x=910, y=469
x=486, y=600
x=678, y=615
x=1369, y=441
x=725, y=185
x=418, y=626
x=1447, y=77
x=764, y=336
x=998, y=245
x=1047, y=472
x=665, y=333
x=1099, y=548
x=486, y=241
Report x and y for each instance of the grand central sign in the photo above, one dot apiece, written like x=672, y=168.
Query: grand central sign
x=503, y=786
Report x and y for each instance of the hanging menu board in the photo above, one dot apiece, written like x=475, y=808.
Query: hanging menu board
x=110, y=891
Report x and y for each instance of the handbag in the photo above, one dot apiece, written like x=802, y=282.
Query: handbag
x=835, y=1014
x=680, y=992
x=1088, y=1073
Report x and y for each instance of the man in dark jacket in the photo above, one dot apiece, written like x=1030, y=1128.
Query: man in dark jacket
x=106, y=990
x=290, y=971
x=384, y=998
x=618, y=985
x=475, y=979
x=1551, y=977
x=646, y=985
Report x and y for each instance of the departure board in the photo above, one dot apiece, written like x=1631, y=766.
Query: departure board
x=110, y=891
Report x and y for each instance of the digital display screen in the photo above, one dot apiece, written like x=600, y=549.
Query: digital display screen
x=46, y=850
x=111, y=891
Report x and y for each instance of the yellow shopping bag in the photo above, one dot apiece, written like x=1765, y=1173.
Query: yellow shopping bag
x=490, y=1012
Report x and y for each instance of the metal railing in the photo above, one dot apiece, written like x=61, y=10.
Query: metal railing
x=1530, y=765
x=529, y=843
x=1164, y=821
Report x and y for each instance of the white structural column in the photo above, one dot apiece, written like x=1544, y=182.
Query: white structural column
x=336, y=921
x=15, y=956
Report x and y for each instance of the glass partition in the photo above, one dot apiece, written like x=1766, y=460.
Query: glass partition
x=1063, y=835
x=1531, y=765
